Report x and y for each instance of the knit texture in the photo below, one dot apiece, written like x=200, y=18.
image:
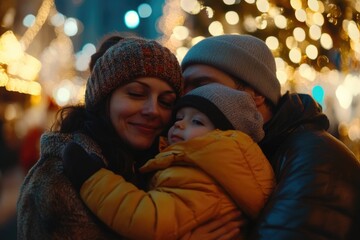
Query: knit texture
x=131, y=58
x=243, y=57
x=226, y=108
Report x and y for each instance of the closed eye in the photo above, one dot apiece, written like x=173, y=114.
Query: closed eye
x=198, y=122
x=136, y=94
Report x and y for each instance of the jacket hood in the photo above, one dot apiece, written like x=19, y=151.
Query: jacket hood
x=294, y=110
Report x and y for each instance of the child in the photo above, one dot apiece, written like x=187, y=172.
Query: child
x=213, y=122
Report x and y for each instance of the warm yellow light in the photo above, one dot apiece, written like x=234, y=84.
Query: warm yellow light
x=307, y=72
x=291, y=42
x=174, y=41
x=299, y=34
x=26, y=68
x=190, y=6
x=216, y=28
x=355, y=46
x=344, y=96
x=280, y=21
x=357, y=5
x=263, y=5
x=321, y=7
x=11, y=111
x=272, y=42
x=209, y=12
x=318, y=19
x=353, y=31
x=311, y=51
x=282, y=76
x=23, y=86
x=315, y=32
x=295, y=55
x=232, y=17
x=300, y=15
x=352, y=82
x=181, y=32
x=326, y=41
x=3, y=77
x=313, y=5
x=354, y=132
x=250, y=24
x=296, y=4
x=62, y=96
x=280, y=63
x=229, y=2
x=180, y=53
x=10, y=48
x=261, y=22
x=197, y=39
x=35, y=99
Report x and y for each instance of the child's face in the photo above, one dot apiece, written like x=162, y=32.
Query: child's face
x=189, y=123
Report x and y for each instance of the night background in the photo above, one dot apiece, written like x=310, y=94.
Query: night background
x=45, y=48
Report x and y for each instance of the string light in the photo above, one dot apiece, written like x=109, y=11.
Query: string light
x=40, y=19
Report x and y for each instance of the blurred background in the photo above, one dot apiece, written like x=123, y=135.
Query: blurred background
x=45, y=49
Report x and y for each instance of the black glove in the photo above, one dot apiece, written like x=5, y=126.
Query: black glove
x=79, y=165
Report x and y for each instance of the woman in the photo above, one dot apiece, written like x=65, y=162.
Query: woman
x=128, y=102
x=208, y=124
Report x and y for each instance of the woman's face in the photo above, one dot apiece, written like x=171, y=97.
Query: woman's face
x=140, y=110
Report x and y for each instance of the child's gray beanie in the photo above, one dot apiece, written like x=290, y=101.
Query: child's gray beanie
x=243, y=57
x=226, y=108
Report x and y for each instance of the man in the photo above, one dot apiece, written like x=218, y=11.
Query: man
x=318, y=178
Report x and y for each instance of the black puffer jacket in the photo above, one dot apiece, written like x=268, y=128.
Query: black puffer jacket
x=318, y=178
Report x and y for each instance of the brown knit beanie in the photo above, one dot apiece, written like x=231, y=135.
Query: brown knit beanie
x=226, y=108
x=128, y=59
x=244, y=57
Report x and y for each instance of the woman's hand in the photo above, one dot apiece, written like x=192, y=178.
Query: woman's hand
x=79, y=165
x=224, y=228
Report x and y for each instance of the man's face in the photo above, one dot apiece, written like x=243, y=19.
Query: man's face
x=198, y=75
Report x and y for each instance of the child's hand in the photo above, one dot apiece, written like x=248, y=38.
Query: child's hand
x=79, y=165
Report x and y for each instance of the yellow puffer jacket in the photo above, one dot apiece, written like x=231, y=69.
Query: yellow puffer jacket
x=200, y=180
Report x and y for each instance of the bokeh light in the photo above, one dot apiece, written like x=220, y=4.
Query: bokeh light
x=131, y=19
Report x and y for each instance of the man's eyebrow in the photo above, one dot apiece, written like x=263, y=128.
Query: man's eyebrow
x=197, y=80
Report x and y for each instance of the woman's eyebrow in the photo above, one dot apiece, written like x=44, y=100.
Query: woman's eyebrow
x=148, y=86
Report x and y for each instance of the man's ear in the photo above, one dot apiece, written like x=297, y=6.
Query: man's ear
x=259, y=99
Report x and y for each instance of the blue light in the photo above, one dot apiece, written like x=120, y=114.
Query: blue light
x=144, y=10
x=318, y=94
x=132, y=19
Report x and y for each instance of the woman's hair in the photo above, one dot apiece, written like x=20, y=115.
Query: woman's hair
x=119, y=59
x=97, y=125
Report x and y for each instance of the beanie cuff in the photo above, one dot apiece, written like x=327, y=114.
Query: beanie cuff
x=207, y=107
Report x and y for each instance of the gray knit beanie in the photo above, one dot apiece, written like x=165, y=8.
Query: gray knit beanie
x=226, y=108
x=128, y=59
x=244, y=57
